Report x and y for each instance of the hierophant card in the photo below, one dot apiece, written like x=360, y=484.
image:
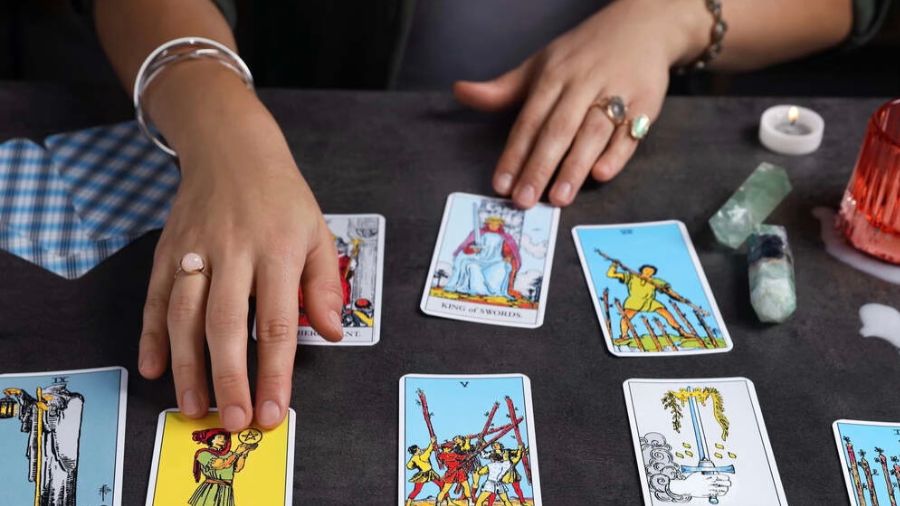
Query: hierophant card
x=62, y=435
x=870, y=460
x=701, y=441
x=491, y=262
x=467, y=436
x=360, y=245
x=649, y=290
x=198, y=463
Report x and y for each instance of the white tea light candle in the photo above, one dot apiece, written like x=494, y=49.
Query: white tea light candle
x=791, y=130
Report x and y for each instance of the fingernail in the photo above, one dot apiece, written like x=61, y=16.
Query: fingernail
x=504, y=182
x=233, y=418
x=190, y=403
x=269, y=414
x=336, y=322
x=563, y=191
x=525, y=195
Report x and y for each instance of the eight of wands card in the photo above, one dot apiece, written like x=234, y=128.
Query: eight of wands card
x=360, y=247
x=492, y=262
x=61, y=436
x=701, y=441
x=467, y=439
x=649, y=290
x=870, y=457
x=198, y=463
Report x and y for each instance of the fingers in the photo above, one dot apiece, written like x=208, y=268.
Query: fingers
x=276, y=334
x=226, y=335
x=523, y=135
x=499, y=93
x=590, y=140
x=186, y=315
x=323, y=294
x=153, y=349
x=622, y=145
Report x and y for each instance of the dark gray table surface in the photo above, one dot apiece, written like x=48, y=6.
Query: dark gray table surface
x=400, y=155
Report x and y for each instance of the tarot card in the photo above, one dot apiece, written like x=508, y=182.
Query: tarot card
x=360, y=243
x=701, y=441
x=491, y=262
x=870, y=460
x=467, y=436
x=62, y=435
x=198, y=463
x=649, y=290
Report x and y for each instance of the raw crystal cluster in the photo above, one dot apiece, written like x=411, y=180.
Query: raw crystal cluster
x=772, y=289
x=750, y=205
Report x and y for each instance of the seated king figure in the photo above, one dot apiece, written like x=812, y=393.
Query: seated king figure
x=486, y=265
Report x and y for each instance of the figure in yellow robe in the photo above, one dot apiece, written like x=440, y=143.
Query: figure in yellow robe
x=642, y=291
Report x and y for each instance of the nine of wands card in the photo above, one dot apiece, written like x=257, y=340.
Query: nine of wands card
x=491, y=262
x=196, y=462
x=61, y=437
x=467, y=439
x=701, y=441
x=870, y=460
x=649, y=290
x=359, y=239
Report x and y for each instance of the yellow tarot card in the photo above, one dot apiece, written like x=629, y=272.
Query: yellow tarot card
x=196, y=462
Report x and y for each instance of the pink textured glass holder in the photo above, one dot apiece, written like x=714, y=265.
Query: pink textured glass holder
x=870, y=209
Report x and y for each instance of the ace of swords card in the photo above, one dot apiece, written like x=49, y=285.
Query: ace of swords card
x=467, y=436
x=359, y=240
x=870, y=460
x=649, y=290
x=62, y=436
x=701, y=441
x=491, y=262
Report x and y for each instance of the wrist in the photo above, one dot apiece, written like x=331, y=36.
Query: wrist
x=685, y=28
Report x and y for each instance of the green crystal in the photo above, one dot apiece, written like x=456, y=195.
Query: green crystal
x=750, y=205
x=773, y=293
x=640, y=126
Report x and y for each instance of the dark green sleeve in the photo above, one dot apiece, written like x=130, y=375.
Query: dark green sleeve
x=868, y=15
x=229, y=10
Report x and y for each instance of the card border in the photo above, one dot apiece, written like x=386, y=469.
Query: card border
x=548, y=266
x=289, y=469
x=754, y=401
x=840, y=449
x=376, y=330
x=529, y=413
x=120, y=424
x=704, y=283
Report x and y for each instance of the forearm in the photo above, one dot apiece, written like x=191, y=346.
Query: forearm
x=760, y=32
x=187, y=98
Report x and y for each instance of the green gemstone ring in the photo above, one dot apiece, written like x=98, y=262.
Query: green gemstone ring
x=640, y=125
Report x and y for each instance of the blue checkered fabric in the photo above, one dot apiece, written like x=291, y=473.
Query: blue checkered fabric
x=69, y=208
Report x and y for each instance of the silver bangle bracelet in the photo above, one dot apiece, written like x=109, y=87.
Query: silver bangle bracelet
x=174, y=52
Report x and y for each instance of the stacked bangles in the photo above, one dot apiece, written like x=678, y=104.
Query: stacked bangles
x=615, y=109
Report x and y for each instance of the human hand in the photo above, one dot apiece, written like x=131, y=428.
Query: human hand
x=245, y=209
x=702, y=485
x=626, y=50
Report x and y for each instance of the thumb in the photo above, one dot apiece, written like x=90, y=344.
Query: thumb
x=499, y=93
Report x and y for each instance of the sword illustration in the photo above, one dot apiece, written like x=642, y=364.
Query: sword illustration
x=705, y=465
x=477, y=225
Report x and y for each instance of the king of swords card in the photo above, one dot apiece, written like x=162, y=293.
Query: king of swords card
x=701, y=441
x=649, y=290
x=467, y=438
x=491, y=262
x=198, y=463
x=870, y=460
x=359, y=240
x=62, y=437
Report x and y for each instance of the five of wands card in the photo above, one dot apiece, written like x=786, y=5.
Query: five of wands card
x=62, y=437
x=649, y=290
x=870, y=460
x=196, y=462
x=467, y=436
x=701, y=441
x=359, y=239
x=491, y=262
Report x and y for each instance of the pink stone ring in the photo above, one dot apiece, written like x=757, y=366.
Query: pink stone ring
x=192, y=263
